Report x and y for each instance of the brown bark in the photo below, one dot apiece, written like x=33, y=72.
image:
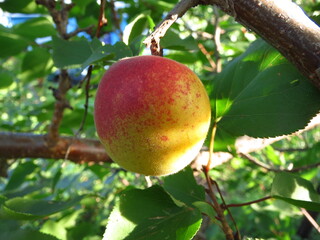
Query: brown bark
x=20, y=145
x=285, y=26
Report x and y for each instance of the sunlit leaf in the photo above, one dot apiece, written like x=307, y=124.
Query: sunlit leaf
x=28, y=209
x=296, y=191
x=54, y=228
x=35, y=28
x=142, y=214
x=261, y=94
x=135, y=28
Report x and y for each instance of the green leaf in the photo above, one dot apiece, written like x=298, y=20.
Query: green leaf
x=183, y=56
x=54, y=228
x=28, y=209
x=20, y=174
x=6, y=79
x=164, y=5
x=261, y=94
x=137, y=46
x=11, y=44
x=14, y=6
x=207, y=209
x=25, y=234
x=81, y=53
x=183, y=187
x=296, y=191
x=151, y=213
x=172, y=40
x=102, y=53
x=35, y=28
x=136, y=27
x=121, y=50
x=36, y=64
x=2, y=199
x=70, y=54
x=108, y=52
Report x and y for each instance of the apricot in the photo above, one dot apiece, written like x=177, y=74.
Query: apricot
x=152, y=114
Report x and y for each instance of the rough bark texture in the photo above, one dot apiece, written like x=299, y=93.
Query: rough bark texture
x=19, y=145
x=286, y=27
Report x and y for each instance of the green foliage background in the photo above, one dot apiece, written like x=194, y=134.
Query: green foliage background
x=258, y=93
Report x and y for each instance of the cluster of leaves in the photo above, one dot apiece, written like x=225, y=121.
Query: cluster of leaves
x=258, y=94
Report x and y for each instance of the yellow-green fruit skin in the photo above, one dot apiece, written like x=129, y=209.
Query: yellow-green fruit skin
x=152, y=114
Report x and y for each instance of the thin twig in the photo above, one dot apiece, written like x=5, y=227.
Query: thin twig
x=269, y=168
x=116, y=19
x=86, y=104
x=79, y=30
x=216, y=206
x=153, y=40
x=208, y=56
x=102, y=19
x=60, y=18
x=60, y=105
x=228, y=210
x=310, y=219
x=247, y=203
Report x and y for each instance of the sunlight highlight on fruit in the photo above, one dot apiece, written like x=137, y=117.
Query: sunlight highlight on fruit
x=152, y=114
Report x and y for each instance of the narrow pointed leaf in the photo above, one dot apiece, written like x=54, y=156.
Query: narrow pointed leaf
x=27, y=209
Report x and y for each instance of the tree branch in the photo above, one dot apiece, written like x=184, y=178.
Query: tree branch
x=153, y=41
x=60, y=105
x=281, y=23
x=286, y=27
x=281, y=169
x=246, y=203
x=21, y=145
x=59, y=16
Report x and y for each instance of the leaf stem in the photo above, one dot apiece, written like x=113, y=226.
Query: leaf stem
x=211, y=146
x=247, y=203
x=216, y=206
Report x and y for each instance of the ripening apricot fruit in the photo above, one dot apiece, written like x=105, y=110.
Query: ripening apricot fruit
x=152, y=114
